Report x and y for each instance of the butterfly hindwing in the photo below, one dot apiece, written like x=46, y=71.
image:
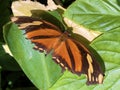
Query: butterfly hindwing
x=90, y=66
x=67, y=52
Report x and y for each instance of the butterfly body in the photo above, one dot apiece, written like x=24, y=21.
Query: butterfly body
x=69, y=53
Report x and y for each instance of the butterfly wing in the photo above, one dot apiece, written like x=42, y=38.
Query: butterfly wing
x=73, y=56
x=67, y=52
x=89, y=66
x=43, y=34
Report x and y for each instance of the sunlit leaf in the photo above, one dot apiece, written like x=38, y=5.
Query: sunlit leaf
x=101, y=15
x=36, y=66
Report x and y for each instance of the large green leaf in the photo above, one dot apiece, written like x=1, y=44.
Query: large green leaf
x=102, y=15
x=41, y=70
x=108, y=46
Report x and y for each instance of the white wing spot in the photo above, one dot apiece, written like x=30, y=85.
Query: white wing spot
x=96, y=79
x=41, y=49
x=14, y=19
x=93, y=79
x=54, y=57
x=58, y=60
x=36, y=47
x=66, y=68
x=62, y=64
x=90, y=69
x=100, y=78
x=24, y=25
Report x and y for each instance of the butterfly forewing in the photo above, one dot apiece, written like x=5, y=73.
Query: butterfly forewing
x=43, y=38
x=64, y=61
x=75, y=54
x=67, y=52
x=42, y=33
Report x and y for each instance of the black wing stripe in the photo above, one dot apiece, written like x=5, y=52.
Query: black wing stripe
x=31, y=28
x=85, y=65
x=71, y=56
x=24, y=19
x=27, y=20
x=44, y=37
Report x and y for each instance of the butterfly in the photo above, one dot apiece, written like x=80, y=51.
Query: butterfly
x=69, y=53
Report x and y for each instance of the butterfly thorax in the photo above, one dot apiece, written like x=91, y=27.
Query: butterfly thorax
x=64, y=36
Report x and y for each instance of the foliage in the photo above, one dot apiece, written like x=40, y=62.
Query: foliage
x=102, y=16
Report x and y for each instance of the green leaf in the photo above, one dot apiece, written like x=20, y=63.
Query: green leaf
x=108, y=47
x=55, y=17
x=41, y=70
x=71, y=81
x=101, y=15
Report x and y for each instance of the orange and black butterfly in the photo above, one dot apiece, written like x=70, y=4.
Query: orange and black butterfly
x=67, y=52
